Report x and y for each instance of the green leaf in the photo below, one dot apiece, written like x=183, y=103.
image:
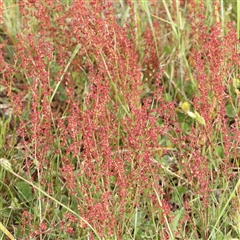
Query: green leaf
x=168, y=97
x=15, y=204
x=167, y=49
x=24, y=190
x=185, y=127
x=219, y=151
x=167, y=160
x=181, y=117
x=230, y=111
x=190, y=89
x=2, y=88
x=178, y=215
x=178, y=194
x=137, y=220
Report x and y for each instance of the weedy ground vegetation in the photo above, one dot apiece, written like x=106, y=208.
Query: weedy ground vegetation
x=119, y=119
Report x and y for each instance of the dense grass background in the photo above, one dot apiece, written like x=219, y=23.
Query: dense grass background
x=119, y=119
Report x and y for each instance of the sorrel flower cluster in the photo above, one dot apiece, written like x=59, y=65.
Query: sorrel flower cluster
x=79, y=111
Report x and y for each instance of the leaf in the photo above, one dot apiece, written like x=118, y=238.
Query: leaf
x=177, y=194
x=2, y=88
x=219, y=151
x=14, y=204
x=167, y=49
x=190, y=89
x=185, y=127
x=230, y=111
x=24, y=190
x=168, y=97
x=178, y=215
x=181, y=117
x=138, y=219
x=167, y=160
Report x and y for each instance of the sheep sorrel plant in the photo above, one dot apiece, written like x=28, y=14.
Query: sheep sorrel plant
x=119, y=120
